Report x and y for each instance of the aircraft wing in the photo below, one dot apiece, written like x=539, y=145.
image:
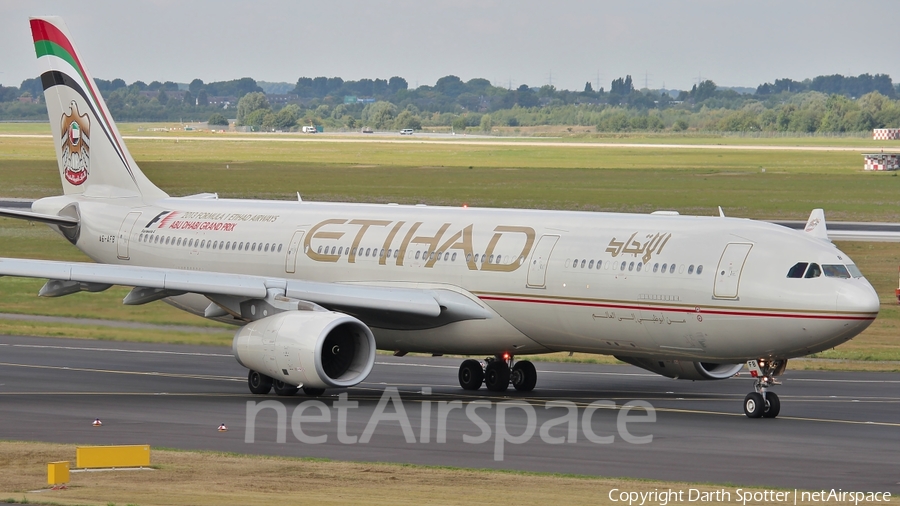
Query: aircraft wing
x=393, y=307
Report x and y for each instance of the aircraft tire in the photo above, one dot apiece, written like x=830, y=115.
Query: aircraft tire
x=773, y=405
x=313, y=392
x=496, y=376
x=524, y=376
x=471, y=375
x=754, y=405
x=259, y=383
x=284, y=389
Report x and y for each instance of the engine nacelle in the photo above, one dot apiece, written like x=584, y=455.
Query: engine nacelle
x=683, y=369
x=316, y=349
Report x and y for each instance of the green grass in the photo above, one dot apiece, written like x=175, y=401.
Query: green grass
x=691, y=181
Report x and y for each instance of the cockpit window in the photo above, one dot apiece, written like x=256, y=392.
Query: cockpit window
x=814, y=271
x=835, y=271
x=797, y=270
x=854, y=271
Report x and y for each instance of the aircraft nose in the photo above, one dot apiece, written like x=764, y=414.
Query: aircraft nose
x=858, y=296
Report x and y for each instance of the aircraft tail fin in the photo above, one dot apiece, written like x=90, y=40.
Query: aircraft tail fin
x=92, y=156
x=815, y=225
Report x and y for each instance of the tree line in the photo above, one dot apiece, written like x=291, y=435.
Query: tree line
x=831, y=103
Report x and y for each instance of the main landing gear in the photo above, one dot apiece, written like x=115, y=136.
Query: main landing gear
x=497, y=373
x=762, y=403
x=260, y=384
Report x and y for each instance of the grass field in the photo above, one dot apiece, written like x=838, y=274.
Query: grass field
x=207, y=478
x=691, y=181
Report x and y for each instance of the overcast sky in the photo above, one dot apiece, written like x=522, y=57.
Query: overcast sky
x=665, y=43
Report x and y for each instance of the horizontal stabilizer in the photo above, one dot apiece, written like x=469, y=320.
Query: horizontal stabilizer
x=63, y=221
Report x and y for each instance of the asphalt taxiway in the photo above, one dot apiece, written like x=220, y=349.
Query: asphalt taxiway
x=836, y=429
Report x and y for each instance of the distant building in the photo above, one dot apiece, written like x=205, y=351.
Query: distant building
x=281, y=99
x=882, y=161
x=886, y=134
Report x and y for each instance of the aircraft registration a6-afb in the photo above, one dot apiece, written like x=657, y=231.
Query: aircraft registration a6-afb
x=317, y=287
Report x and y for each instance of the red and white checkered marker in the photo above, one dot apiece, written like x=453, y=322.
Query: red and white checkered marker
x=223, y=428
x=97, y=423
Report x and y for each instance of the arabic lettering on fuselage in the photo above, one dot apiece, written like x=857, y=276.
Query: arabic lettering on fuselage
x=653, y=244
x=403, y=236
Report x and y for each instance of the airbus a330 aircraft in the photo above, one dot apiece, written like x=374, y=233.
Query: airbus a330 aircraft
x=317, y=287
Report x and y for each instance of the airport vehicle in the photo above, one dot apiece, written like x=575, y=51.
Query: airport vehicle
x=317, y=287
x=309, y=129
x=406, y=131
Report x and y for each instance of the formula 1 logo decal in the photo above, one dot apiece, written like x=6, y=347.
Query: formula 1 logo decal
x=76, y=145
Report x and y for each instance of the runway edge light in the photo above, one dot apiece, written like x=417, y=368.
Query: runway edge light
x=57, y=473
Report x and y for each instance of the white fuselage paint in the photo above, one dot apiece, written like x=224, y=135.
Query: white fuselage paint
x=741, y=306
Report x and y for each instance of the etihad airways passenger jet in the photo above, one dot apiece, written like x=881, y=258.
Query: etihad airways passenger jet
x=317, y=287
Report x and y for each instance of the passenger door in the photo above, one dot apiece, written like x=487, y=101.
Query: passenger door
x=728, y=273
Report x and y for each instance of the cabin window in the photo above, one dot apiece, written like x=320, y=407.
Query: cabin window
x=447, y=256
x=656, y=267
x=319, y=251
x=699, y=269
x=202, y=244
x=599, y=263
x=178, y=243
x=691, y=269
x=631, y=267
x=267, y=248
x=639, y=265
x=591, y=264
x=228, y=245
x=389, y=252
x=453, y=257
x=622, y=267
x=279, y=247
x=221, y=244
x=814, y=271
x=582, y=263
x=396, y=251
x=417, y=255
x=241, y=247
x=381, y=254
x=333, y=249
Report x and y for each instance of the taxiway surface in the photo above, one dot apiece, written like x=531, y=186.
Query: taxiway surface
x=836, y=430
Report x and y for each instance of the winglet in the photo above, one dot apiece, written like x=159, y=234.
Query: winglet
x=816, y=225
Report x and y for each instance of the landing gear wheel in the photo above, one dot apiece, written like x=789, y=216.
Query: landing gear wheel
x=524, y=376
x=496, y=376
x=285, y=389
x=259, y=383
x=754, y=405
x=773, y=405
x=313, y=392
x=471, y=375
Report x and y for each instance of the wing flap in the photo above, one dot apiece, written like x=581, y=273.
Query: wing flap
x=396, y=300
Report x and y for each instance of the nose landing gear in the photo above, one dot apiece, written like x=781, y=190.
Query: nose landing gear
x=762, y=403
x=497, y=373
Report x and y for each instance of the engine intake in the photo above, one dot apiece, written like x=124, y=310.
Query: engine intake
x=682, y=369
x=316, y=349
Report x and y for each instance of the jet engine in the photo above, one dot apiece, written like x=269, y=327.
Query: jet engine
x=682, y=369
x=314, y=349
